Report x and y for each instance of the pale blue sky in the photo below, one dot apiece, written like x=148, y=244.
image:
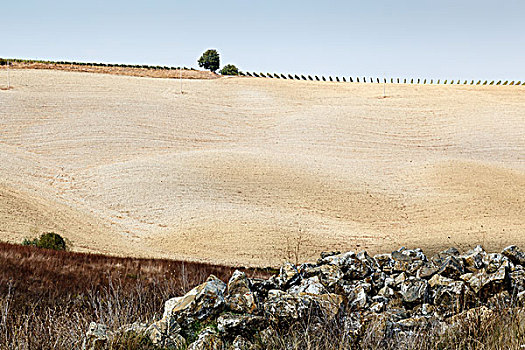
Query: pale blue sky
x=460, y=39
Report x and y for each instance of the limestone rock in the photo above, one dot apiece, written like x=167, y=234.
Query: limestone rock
x=233, y=325
x=414, y=290
x=515, y=255
x=310, y=285
x=165, y=333
x=240, y=343
x=97, y=337
x=200, y=304
x=288, y=276
x=208, y=340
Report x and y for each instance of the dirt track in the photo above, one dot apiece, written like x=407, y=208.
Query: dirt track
x=235, y=170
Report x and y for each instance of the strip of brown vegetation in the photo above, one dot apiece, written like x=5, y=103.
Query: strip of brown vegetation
x=48, y=298
x=128, y=71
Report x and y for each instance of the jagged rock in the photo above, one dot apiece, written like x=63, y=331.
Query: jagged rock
x=281, y=306
x=377, y=307
x=517, y=280
x=385, y=262
x=408, y=261
x=377, y=280
x=208, y=340
x=398, y=281
x=327, y=254
x=240, y=343
x=514, y=254
x=473, y=260
x=451, y=267
x=242, y=303
x=368, y=261
x=200, y=304
x=288, y=276
x=260, y=287
x=238, y=283
x=438, y=280
x=397, y=313
x=310, y=285
x=427, y=270
x=232, y=325
x=485, y=284
x=494, y=261
x=425, y=309
x=329, y=276
x=453, y=298
x=285, y=307
x=414, y=290
x=165, y=333
x=240, y=297
x=340, y=260
x=97, y=337
x=356, y=268
x=357, y=295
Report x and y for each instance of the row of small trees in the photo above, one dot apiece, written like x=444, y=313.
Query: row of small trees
x=379, y=80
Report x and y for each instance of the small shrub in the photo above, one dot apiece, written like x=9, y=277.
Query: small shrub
x=229, y=69
x=262, y=75
x=290, y=76
x=255, y=75
x=344, y=79
x=317, y=78
x=297, y=77
x=506, y=82
x=351, y=80
x=49, y=240
x=283, y=76
x=330, y=78
x=337, y=79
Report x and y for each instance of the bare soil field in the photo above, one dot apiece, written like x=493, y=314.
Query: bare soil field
x=243, y=171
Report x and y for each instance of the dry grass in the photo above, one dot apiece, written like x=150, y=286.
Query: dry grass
x=48, y=298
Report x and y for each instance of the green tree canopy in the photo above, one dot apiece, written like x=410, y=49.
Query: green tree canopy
x=210, y=60
x=229, y=69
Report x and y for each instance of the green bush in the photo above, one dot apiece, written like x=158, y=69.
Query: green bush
x=49, y=240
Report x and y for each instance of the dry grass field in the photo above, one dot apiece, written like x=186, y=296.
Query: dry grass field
x=239, y=170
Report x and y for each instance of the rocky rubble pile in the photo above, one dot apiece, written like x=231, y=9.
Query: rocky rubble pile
x=397, y=293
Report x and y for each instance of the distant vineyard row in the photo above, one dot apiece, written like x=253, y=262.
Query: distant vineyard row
x=380, y=80
x=4, y=61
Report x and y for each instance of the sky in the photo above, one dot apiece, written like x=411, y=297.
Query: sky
x=459, y=39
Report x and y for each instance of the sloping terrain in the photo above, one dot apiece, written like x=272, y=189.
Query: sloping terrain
x=252, y=171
